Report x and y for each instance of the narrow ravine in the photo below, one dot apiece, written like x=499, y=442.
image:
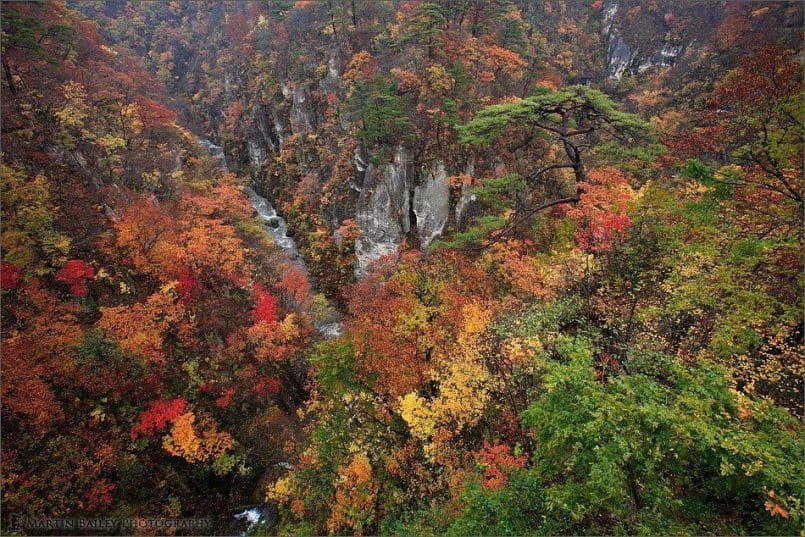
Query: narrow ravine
x=330, y=326
x=275, y=225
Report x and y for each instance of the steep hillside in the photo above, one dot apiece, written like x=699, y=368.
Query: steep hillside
x=151, y=329
x=305, y=96
x=470, y=267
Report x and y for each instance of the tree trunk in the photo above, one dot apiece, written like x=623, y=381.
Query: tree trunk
x=9, y=77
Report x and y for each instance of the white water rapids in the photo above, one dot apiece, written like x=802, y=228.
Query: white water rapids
x=277, y=228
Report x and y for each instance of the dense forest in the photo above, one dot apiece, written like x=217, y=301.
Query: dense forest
x=407, y=267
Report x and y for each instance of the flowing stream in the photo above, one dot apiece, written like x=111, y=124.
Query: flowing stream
x=274, y=224
x=330, y=327
x=277, y=228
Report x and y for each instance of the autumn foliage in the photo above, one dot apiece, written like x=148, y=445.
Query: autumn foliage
x=10, y=275
x=75, y=273
x=604, y=336
x=602, y=212
x=265, y=306
x=498, y=462
x=158, y=416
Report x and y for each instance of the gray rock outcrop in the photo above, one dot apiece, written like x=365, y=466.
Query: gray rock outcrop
x=383, y=210
x=301, y=111
x=432, y=205
x=621, y=58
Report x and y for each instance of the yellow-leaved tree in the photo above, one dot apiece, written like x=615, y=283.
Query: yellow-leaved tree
x=183, y=440
x=463, y=385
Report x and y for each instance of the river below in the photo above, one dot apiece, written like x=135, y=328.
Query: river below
x=329, y=327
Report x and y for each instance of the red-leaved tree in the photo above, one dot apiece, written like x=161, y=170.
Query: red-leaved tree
x=75, y=273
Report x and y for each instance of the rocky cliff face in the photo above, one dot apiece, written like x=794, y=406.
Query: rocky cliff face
x=392, y=202
x=265, y=137
x=302, y=119
x=623, y=58
x=383, y=210
x=400, y=201
x=392, y=208
x=431, y=205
